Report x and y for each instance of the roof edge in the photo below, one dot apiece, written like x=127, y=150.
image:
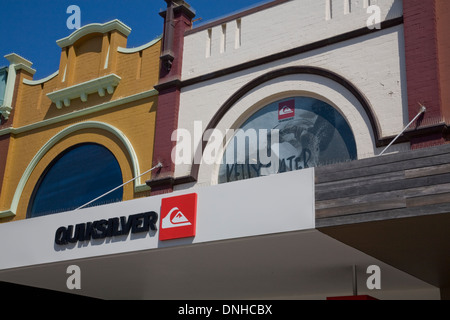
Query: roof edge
x=94, y=28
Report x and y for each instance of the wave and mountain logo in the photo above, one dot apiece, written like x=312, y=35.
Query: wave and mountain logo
x=178, y=217
x=286, y=110
x=174, y=219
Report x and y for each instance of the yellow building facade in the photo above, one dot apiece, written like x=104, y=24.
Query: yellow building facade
x=103, y=93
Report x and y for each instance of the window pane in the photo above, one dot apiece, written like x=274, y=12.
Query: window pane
x=310, y=133
x=77, y=176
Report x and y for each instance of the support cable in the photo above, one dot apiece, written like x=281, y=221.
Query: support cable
x=422, y=110
x=159, y=165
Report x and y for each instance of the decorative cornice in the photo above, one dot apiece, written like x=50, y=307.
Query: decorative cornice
x=185, y=8
x=179, y=6
x=36, y=82
x=169, y=84
x=170, y=181
x=5, y=111
x=14, y=58
x=137, y=49
x=22, y=66
x=291, y=52
x=94, y=28
x=80, y=113
x=82, y=90
x=220, y=21
x=16, y=63
x=20, y=63
x=7, y=213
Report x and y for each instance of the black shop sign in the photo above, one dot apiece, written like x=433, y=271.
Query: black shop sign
x=101, y=229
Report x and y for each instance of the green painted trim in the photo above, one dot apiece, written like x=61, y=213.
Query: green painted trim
x=36, y=82
x=100, y=85
x=94, y=28
x=80, y=113
x=6, y=214
x=137, y=49
x=138, y=185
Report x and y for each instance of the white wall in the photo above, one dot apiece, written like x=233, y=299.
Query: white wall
x=373, y=63
x=286, y=26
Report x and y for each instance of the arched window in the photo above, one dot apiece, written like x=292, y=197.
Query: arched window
x=289, y=134
x=78, y=175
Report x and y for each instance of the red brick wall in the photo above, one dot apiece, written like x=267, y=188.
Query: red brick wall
x=4, y=145
x=166, y=123
x=168, y=106
x=9, y=123
x=4, y=139
x=427, y=52
x=443, y=29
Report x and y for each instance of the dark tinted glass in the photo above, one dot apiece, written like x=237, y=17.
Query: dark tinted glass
x=77, y=176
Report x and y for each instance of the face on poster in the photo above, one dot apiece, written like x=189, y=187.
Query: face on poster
x=311, y=133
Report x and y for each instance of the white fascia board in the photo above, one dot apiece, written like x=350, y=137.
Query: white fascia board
x=269, y=208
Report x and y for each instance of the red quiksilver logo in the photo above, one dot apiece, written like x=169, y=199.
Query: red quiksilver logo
x=286, y=110
x=178, y=217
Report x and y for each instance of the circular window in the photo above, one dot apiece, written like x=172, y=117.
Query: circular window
x=287, y=135
x=77, y=176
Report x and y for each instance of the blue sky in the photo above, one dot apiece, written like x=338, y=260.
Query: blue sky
x=30, y=28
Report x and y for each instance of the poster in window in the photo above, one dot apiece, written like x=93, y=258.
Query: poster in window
x=310, y=133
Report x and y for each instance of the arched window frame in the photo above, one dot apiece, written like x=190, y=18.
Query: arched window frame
x=98, y=179
x=139, y=185
x=330, y=122
x=315, y=82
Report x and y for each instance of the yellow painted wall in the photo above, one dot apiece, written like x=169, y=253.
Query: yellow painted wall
x=85, y=61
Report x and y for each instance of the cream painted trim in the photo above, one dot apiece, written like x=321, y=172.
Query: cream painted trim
x=22, y=66
x=80, y=113
x=36, y=82
x=134, y=50
x=14, y=58
x=6, y=214
x=138, y=185
x=19, y=62
x=107, y=58
x=16, y=63
x=94, y=28
x=307, y=85
x=82, y=90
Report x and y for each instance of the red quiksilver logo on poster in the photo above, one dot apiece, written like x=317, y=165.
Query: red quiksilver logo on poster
x=286, y=110
x=178, y=217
